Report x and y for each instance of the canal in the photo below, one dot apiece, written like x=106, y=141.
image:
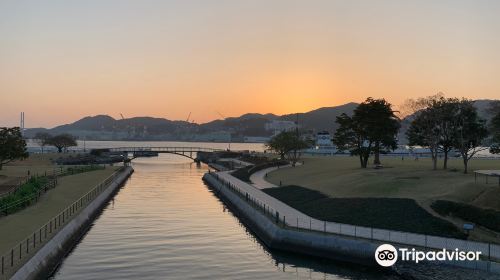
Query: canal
x=165, y=223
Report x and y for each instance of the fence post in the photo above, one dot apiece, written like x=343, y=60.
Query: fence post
x=284, y=221
x=277, y=217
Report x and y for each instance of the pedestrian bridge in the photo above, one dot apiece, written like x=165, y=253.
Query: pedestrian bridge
x=189, y=152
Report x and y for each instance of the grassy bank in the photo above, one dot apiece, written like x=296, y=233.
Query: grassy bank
x=386, y=213
x=342, y=177
x=19, y=225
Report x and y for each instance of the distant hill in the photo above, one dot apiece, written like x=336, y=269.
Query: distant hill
x=104, y=127
x=322, y=118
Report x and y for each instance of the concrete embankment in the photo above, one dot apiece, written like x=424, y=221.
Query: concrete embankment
x=311, y=243
x=43, y=263
x=347, y=248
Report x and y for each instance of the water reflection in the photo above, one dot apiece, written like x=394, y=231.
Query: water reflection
x=166, y=224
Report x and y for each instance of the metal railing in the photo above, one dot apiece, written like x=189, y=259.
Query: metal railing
x=489, y=251
x=14, y=258
x=50, y=184
x=164, y=149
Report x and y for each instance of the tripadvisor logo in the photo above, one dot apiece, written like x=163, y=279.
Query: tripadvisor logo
x=387, y=255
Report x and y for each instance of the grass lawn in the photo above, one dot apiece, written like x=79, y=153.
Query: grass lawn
x=12, y=173
x=386, y=213
x=342, y=177
x=16, y=227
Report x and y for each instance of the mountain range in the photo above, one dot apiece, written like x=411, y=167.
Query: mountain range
x=104, y=127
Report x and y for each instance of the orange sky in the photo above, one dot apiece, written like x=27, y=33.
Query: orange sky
x=62, y=60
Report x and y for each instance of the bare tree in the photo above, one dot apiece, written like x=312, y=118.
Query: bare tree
x=42, y=139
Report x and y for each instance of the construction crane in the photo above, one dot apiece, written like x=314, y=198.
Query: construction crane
x=189, y=116
x=224, y=118
x=128, y=127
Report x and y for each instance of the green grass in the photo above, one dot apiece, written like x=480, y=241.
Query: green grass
x=385, y=213
x=488, y=218
x=341, y=176
x=23, y=196
x=18, y=226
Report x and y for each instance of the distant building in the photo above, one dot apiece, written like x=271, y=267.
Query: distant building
x=323, y=140
x=280, y=126
x=255, y=139
x=219, y=136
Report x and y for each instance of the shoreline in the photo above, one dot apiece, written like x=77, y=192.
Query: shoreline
x=52, y=251
x=333, y=246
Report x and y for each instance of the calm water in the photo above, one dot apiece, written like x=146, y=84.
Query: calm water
x=166, y=224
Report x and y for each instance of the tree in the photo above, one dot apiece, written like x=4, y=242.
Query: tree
x=495, y=128
x=446, y=111
x=373, y=127
x=287, y=144
x=62, y=142
x=470, y=132
x=42, y=138
x=435, y=125
x=12, y=145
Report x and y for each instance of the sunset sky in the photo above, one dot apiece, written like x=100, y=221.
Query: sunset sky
x=61, y=60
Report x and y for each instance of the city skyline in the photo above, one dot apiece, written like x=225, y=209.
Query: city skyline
x=61, y=61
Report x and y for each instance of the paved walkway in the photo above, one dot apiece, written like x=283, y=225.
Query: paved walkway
x=292, y=215
x=259, y=178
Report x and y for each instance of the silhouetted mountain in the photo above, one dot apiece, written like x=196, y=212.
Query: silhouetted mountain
x=322, y=118
x=103, y=127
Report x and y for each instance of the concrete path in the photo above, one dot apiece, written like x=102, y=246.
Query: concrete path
x=292, y=215
x=259, y=178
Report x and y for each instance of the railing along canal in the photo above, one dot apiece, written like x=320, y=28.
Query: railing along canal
x=489, y=251
x=18, y=255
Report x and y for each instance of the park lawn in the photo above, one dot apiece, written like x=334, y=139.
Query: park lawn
x=341, y=176
x=17, y=227
x=36, y=164
x=398, y=214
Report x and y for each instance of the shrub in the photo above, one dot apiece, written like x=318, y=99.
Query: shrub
x=400, y=214
x=488, y=218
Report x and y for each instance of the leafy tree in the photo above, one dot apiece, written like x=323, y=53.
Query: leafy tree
x=424, y=131
x=287, y=144
x=42, y=138
x=62, y=142
x=12, y=145
x=435, y=126
x=470, y=133
x=373, y=127
x=495, y=128
x=446, y=111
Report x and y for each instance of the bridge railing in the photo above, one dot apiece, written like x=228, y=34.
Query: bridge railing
x=164, y=149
